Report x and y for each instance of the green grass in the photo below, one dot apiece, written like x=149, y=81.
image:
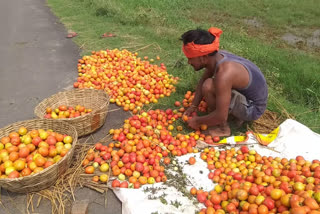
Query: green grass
x=154, y=28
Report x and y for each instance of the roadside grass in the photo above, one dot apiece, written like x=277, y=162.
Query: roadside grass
x=153, y=28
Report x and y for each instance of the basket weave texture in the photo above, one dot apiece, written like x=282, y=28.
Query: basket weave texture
x=97, y=100
x=48, y=176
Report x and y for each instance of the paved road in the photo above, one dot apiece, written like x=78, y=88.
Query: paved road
x=36, y=61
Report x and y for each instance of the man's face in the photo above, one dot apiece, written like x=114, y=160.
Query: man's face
x=197, y=63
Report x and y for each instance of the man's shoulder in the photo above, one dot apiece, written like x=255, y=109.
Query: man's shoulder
x=230, y=67
x=226, y=67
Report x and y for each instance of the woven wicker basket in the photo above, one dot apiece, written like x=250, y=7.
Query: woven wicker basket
x=97, y=100
x=48, y=176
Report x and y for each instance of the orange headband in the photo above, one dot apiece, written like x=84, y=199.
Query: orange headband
x=192, y=50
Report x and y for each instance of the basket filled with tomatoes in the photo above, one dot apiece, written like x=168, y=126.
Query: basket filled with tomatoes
x=34, y=153
x=85, y=109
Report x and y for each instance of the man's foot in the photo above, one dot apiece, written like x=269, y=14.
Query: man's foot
x=220, y=131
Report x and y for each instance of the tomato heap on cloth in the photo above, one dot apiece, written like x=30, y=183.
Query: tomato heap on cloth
x=247, y=182
x=243, y=180
x=130, y=81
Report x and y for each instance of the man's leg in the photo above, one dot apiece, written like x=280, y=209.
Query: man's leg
x=222, y=130
x=208, y=91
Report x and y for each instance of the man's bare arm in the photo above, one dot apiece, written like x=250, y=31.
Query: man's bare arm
x=198, y=95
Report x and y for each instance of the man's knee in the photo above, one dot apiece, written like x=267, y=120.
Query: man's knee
x=208, y=86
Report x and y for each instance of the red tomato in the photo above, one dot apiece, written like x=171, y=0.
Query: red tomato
x=201, y=197
x=216, y=199
x=311, y=203
x=231, y=207
x=192, y=160
x=216, y=139
x=124, y=184
x=26, y=172
x=294, y=201
x=254, y=190
x=89, y=170
x=98, y=146
x=269, y=203
x=24, y=152
x=115, y=183
x=244, y=149
x=14, y=174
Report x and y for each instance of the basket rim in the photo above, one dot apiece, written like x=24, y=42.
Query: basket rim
x=74, y=143
x=105, y=104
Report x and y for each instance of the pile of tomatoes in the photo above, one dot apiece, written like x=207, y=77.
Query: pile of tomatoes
x=24, y=152
x=130, y=81
x=187, y=101
x=247, y=182
x=141, y=148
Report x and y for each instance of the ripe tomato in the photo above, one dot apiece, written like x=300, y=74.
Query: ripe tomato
x=124, y=184
x=15, y=141
x=48, y=163
x=95, y=178
x=192, y=160
x=311, y=203
x=89, y=170
x=294, y=201
x=263, y=209
x=13, y=156
x=177, y=103
x=276, y=194
x=19, y=165
x=193, y=191
x=104, y=178
x=24, y=152
x=115, y=183
x=40, y=161
x=26, y=172
x=216, y=199
x=242, y=195
x=14, y=174
x=244, y=149
x=154, y=173
x=231, y=207
x=201, y=197
x=44, y=151
x=136, y=185
x=285, y=200
x=269, y=203
x=298, y=210
x=254, y=190
x=216, y=138
x=203, y=127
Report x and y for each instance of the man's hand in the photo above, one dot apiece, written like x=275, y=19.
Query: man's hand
x=193, y=122
x=190, y=110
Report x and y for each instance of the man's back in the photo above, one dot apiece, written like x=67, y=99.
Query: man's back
x=256, y=91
